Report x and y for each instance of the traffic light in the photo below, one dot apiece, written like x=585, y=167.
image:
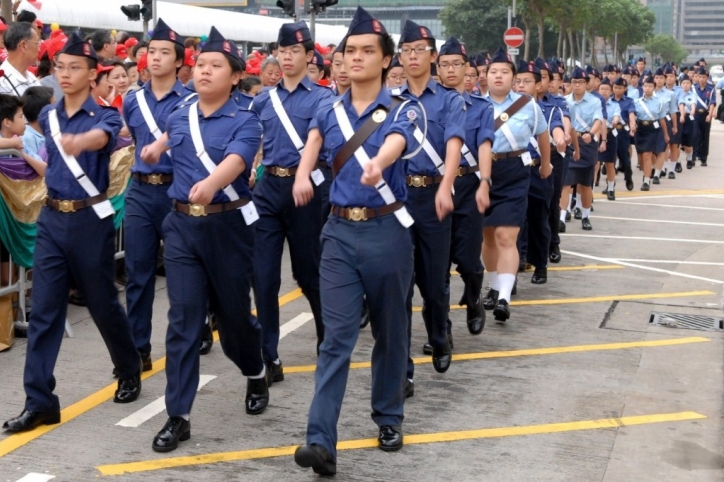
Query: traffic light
x=319, y=6
x=133, y=12
x=287, y=6
x=147, y=10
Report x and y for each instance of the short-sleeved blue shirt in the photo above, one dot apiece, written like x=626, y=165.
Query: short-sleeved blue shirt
x=479, y=125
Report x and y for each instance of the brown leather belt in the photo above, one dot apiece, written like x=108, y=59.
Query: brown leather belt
x=536, y=161
x=67, y=206
x=155, y=179
x=281, y=171
x=702, y=111
x=644, y=123
x=497, y=156
x=464, y=171
x=363, y=214
x=422, y=181
x=197, y=210
x=620, y=126
x=581, y=134
x=323, y=165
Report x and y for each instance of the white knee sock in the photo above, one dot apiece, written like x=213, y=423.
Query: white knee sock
x=657, y=172
x=647, y=180
x=585, y=212
x=688, y=156
x=579, y=203
x=506, y=285
x=563, y=215
x=494, y=280
x=611, y=186
x=570, y=201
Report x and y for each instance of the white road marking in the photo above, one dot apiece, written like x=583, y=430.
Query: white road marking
x=671, y=261
x=294, y=323
x=666, y=205
x=664, y=221
x=35, y=477
x=643, y=238
x=154, y=408
x=665, y=196
x=648, y=268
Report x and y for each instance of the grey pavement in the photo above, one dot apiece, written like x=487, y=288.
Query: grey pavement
x=608, y=304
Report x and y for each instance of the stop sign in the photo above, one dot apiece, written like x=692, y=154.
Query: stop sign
x=513, y=37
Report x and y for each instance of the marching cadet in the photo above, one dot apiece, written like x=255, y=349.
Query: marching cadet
x=675, y=137
x=624, y=128
x=559, y=159
x=594, y=81
x=75, y=240
x=366, y=246
x=535, y=235
x=210, y=193
x=471, y=79
x=587, y=119
x=481, y=64
x=671, y=108
x=650, y=129
x=687, y=111
x=634, y=90
x=315, y=68
x=430, y=178
x=608, y=156
x=286, y=111
x=339, y=74
x=147, y=203
x=705, y=112
x=504, y=195
x=396, y=77
x=467, y=221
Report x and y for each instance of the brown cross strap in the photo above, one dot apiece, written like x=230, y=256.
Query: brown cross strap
x=511, y=111
x=360, y=136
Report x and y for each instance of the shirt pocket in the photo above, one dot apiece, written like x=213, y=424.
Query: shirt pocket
x=174, y=142
x=216, y=146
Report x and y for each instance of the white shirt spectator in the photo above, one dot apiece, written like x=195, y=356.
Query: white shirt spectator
x=15, y=83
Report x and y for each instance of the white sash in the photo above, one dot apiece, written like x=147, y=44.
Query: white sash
x=580, y=120
x=362, y=158
x=470, y=158
x=102, y=209
x=698, y=99
x=147, y=116
x=430, y=151
x=533, y=139
x=646, y=109
x=248, y=211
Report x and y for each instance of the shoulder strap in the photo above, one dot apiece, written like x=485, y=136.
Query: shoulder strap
x=646, y=109
x=286, y=122
x=359, y=137
x=511, y=110
x=147, y=115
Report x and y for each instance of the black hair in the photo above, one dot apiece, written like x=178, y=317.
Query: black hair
x=92, y=63
x=34, y=99
x=388, y=50
x=308, y=45
x=25, y=16
x=273, y=46
x=263, y=52
x=138, y=47
x=327, y=71
x=130, y=65
x=43, y=67
x=16, y=33
x=99, y=38
x=122, y=36
x=9, y=105
x=115, y=63
x=247, y=84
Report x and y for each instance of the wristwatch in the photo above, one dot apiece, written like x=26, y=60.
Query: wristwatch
x=488, y=180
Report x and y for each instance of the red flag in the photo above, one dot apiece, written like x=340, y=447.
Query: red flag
x=36, y=4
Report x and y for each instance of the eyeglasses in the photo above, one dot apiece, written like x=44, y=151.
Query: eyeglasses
x=418, y=50
x=578, y=82
x=471, y=76
x=73, y=69
x=446, y=65
x=524, y=81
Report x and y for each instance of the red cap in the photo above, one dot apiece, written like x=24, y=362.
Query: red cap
x=121, y=52
x=105, y=68
x=3, y=26
x=189, y=58
x=52, y=47
x=131, y=42
x=38, y=23
x=143, y=62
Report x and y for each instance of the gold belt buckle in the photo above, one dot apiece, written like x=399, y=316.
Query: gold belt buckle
x=197, y=210
x=66, y=207
x=357, y=214
x=460, y=171
x=154, y=179
x=282, y=172
x=418, y=181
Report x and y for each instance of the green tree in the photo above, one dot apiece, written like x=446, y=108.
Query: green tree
x=478, y=23
x=666, y=47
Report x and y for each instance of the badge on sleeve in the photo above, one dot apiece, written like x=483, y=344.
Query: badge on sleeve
x=411, y=115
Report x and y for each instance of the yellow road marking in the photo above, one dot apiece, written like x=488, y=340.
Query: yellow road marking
x=77, y=409
x=671, y=192
x=604, y=423
x=556, y=350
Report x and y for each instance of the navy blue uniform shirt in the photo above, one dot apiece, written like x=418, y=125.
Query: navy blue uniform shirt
x=627, y=106
x=229, y=130
x=479, y=124
x=60, y=181
x=161, y=110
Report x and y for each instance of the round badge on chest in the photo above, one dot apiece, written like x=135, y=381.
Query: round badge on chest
x=504, y=117
x=379, y=116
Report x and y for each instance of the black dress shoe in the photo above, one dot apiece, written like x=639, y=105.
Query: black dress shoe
x=611, y=195
x=672, y=175
x=689, y=164
x=442, y=358
x=703, y=163
x=409, y=389
x=678, y=167
x=390, y=438
x=476, y=318
x=540, y=276
x=146, y=362
x=522, y=265
x=502, y=311
x=629, y=184
x=514, y=291
x=257, y=396
x=207, y=339
x=605, y=190
x=592, y=208
x=577, y=213
x=176, y=430
x=561, y=226
x=586, y=224
x=316, y=457
x=128, y=390
x=427, y=347
x=274, y=373
x=491, y=299
x=568, y=215
x=655, y=180
x=555, y=254
x=28, y=420
x=645, y=186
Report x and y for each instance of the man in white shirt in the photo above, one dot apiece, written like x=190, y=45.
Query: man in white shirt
x=22, y=43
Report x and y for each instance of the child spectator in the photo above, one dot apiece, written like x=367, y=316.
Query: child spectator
x=34, y=99
x=12, y=126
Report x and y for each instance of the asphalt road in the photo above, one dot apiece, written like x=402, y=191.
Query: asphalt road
x=578, y=386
